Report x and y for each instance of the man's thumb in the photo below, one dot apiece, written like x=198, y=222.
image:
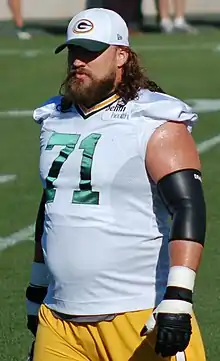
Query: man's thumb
x=149, y=326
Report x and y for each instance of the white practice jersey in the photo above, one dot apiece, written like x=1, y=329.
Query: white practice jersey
x=106, y=230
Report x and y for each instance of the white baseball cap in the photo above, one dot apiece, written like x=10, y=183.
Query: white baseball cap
x=95, y=29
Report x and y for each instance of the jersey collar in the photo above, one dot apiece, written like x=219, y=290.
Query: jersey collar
x=87, y=112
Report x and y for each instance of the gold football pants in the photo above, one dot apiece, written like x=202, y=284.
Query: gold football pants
x=116, y=340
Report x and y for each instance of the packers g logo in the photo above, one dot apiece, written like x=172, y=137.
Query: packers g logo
x=83, y=26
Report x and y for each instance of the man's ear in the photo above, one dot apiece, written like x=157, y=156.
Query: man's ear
x=122, y=57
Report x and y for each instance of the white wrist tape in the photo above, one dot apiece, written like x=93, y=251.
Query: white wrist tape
x=39, y=275
x=181, y=276
x=174, y=306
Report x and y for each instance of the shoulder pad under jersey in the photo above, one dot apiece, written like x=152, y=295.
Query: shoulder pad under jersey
x=46, y=109
x=163, y=107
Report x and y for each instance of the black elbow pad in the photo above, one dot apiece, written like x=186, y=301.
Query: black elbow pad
x=183, y=196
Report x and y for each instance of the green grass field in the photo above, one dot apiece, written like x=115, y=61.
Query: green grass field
x=185, y=66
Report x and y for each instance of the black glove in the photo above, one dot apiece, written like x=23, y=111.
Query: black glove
x=31, y=353
x=173, y=333
x=172, y=317
x=173, y=328
x=32, y=323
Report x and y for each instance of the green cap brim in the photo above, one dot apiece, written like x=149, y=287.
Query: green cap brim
x=91, y=45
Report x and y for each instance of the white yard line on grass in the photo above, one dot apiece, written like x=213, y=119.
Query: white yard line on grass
x=208, y=144
x=16, y=113
x=32, y=53
x=26, y=53
x=170, y=47
x=217, y=48
x=24, y=234
x=5, y=178
x=27, y=233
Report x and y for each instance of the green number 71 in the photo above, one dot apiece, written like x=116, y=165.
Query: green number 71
x=85, y=194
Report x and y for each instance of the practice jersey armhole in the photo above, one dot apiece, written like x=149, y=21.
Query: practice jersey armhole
x=143, y=139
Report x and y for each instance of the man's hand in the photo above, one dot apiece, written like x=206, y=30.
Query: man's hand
x=172, y=317
x=31, y=353
x=32, y=323
x=173, y=330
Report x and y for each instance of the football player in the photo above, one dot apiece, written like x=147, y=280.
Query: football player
x=116, y=159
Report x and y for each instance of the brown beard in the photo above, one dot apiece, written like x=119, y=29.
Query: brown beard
x=91, y=94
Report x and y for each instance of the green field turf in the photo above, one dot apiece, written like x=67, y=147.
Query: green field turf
x=185, y=66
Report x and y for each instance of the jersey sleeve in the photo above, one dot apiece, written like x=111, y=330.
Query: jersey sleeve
x=46, y=109
x=155, y=109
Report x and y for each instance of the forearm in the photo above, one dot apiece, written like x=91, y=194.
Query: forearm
x=185, y=253
x=35, y=294
x=185, y=257
x=38, y=253
x=39, y=229
x=39, y=280
x=39, y=272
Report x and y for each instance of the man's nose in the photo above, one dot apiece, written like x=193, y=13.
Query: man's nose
x=77, y=63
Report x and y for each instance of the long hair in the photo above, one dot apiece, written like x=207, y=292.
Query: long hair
x=134, y=78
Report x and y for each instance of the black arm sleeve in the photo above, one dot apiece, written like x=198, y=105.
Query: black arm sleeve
x=182, y=194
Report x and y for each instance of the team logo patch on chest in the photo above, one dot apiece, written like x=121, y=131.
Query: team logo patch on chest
x=115, y=111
